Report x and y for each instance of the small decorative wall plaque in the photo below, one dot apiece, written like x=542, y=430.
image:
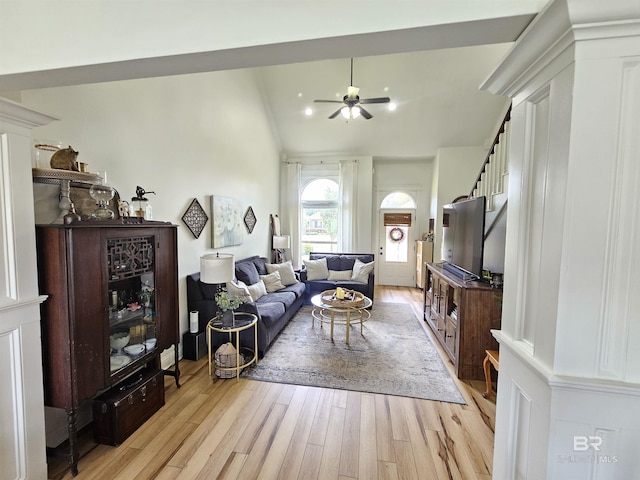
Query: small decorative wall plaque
x=250, y=220
x=195, y=218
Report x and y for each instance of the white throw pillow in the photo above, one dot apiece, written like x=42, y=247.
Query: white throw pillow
x=316, y=269
x=361, y=271
x=257, y=290
x=287, y=275
x=239, y=289
x=338, y=275
x=272, y=282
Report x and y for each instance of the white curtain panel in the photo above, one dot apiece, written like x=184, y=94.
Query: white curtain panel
x=347, y=227
x=290, y=208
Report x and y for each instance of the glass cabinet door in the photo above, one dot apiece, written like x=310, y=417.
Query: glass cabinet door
x=132, y=302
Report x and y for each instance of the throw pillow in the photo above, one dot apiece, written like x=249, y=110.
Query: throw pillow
x=257, y=290
x=272, y=282
x=247, y=272
x=239, y=289
x=316, y=269
x=287, y=275
x=361, y=271
x=339, y=275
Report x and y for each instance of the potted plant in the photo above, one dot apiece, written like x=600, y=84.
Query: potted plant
x=227, y=304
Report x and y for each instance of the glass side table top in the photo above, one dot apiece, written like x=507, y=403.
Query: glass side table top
x=241, y=320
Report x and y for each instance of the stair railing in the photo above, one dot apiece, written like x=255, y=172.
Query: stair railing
x=490, y=180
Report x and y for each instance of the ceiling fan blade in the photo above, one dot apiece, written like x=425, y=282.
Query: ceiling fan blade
x=335, y=114
x=365, y=114
x=328, y=101
x=376, y=100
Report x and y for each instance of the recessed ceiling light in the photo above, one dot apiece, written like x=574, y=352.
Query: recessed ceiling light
x=392, y=106
x=386, y=89
x=299, y=94
x=308, y=111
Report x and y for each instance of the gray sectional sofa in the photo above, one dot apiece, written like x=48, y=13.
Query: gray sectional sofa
x=274, y=309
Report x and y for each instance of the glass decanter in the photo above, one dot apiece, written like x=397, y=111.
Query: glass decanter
x=102, y=193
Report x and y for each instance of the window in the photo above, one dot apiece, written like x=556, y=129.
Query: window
x=319, y=201
x=398, y=200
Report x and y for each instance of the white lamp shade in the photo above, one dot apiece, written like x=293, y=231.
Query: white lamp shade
x=281, y=241
x=216, y=268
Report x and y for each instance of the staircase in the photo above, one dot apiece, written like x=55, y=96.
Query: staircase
x=492, y=181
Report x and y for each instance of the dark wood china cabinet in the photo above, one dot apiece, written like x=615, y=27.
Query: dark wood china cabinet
x=112, y=308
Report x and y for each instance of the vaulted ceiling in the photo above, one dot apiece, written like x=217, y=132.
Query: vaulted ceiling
x=439, y=103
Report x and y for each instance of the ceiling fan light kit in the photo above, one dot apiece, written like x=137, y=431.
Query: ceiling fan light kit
x=350, y=112
x=353, y=103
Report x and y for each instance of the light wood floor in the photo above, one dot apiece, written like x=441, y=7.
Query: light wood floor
x=225, y=429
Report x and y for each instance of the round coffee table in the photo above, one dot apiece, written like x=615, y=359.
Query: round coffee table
x=347, y=315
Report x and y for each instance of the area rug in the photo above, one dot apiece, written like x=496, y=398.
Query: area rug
x=394, y=356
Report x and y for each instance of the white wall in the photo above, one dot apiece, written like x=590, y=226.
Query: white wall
x=457, y=169
x=408, y=176
x=183, y=137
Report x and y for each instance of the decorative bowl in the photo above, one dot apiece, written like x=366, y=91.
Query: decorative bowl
x=119, y=340
x=135, y=349
x=150, y=343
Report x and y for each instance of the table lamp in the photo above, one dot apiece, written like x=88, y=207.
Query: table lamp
x=217, y=269
x=280, y=242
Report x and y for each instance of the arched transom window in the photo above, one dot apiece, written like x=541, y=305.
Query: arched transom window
x=398, y=200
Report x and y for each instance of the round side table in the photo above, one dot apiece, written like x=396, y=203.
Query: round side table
x=241, y=321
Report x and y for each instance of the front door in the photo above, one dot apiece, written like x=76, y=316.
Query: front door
x=396, y=251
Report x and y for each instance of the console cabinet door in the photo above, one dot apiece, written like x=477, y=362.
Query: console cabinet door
x=71, y=274
x=166, y=278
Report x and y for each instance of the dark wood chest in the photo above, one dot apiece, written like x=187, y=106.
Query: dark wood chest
x=119, y=412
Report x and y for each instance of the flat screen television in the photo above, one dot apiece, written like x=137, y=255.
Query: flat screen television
x=463, y=237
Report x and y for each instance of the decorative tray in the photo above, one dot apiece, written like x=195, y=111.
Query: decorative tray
x=351, y=298
x=55, y=174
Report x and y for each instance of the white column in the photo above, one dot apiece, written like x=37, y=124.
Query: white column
x=22, y=432
x=569, y=382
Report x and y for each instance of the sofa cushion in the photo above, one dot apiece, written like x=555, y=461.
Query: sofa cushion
x=287, y=275
x=297, y=289
x=286, y=298
x=316, y=269
x=261, y=265
x=361, y=271
x=247, y=273
x=257, y=290
x=334, y=263
x=339, y=275
x=272, y=282
x=270, y=312
x=239, y=289
x=322, y=285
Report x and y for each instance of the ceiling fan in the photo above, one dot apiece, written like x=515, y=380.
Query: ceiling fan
x=353, y=103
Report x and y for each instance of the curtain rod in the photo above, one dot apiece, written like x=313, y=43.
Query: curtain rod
x=321, y=162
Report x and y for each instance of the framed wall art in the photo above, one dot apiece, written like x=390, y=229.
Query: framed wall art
x=195, y=218
x=227, y=225
x=250, y=220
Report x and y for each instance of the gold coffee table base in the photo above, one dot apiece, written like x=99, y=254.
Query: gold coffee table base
x=346, y=315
